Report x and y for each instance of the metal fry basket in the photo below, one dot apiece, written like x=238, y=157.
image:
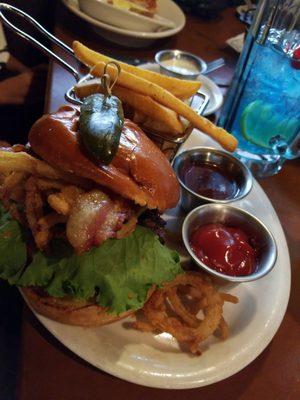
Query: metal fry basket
x=167, y=143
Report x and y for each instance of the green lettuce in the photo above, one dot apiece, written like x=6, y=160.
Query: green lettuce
x=12, y=248
x=118, y=274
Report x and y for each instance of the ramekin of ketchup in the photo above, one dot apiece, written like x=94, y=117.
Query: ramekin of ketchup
x=229, y=242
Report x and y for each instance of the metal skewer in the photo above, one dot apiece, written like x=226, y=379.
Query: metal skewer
x=168, y=144
x=8, y=8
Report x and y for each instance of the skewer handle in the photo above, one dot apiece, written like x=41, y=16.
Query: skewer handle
x=8, y=8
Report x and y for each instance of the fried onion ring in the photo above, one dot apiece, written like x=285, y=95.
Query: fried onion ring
x=62, y=202
x=13, y=187
x=34, y=209
x=169, y=310
x=39, y=223
x=45, y=223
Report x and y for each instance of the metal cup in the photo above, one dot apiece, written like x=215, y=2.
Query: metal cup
x=178, y=56
x=232, y=217
x=237, y=170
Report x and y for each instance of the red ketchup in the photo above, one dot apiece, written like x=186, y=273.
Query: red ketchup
x=224, y=249
x=208, y=180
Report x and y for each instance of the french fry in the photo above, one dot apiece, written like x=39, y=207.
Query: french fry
x=162, y=96
x=23, y=162
x=151, y=125
x=145, y=104
x=183, y=89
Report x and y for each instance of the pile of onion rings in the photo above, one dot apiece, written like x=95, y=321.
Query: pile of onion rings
x=176, y=309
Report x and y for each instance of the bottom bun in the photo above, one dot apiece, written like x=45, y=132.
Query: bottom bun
x=70, y=311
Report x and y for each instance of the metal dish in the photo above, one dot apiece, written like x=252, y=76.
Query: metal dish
x=233, y=217
x=177, y=58
x=209, y=155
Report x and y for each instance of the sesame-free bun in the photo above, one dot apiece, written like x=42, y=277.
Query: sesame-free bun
x=70, y=311
x=139, y=171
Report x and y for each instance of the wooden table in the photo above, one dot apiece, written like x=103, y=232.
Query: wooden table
x=49, y=371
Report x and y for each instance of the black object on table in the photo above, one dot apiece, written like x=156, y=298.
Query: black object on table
x=10, y=336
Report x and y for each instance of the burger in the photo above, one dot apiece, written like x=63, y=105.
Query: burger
x=81, y=238
x=81, y=232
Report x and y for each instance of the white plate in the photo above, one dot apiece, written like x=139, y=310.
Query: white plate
x=208, y=87
x=112, y=15
x=128, y=38
x=155, y=360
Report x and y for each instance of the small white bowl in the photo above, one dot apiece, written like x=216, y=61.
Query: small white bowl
x=113, y=15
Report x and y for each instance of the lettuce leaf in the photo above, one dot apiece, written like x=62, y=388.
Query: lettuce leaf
x=118, y=274
x=12, y=247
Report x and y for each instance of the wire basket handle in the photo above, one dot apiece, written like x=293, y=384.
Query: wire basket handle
x=7, y=7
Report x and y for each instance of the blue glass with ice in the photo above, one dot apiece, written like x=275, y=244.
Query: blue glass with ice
x=262, y=108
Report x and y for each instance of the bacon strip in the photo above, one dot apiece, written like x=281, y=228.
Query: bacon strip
x=95, y=217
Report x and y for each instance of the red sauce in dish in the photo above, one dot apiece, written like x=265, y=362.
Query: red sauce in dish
x=208, y=180
x=225, y=249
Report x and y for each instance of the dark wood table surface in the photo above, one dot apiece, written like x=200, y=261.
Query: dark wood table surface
x=49, y=371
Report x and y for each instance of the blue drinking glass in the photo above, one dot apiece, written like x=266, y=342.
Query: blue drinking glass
x=262, y=107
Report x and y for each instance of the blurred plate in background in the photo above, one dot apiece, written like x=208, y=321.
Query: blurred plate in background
x=129, y=38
